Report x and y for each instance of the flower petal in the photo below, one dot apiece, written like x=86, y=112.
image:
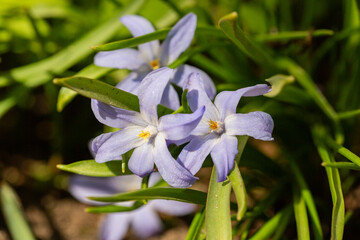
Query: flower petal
x=178, y=39
x=123, y=58
x=227, y=101
x=96, y=143
x=193, y=154
x=119, y=143
x=223, y=155
x=170, y=170
x=115, y=117
x=141, y=162
x=197, y=97
x=258, y=125
x=181, y=77
x=82, y=187
x=139, y=26
x=132, y=82
x=115, y=226
x=173, y=208
x=146, y=222
x=150, y=93
x=170, y=98
x=179, y=126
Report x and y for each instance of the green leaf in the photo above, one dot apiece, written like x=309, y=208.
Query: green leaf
x=302, y=223
x=197, y=226
x=13, y=214
x=292, y=35
x=277, y=83
x=91, y=71
x=232, y=30
x=349, y=114
x=112, y=208
x=94, y=169
x=343, y=151
x=217, y=219
x=272, y=226
x=177, y=194
x=342, y=165
x=239, y=190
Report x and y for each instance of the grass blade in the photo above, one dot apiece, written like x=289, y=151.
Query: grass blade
x=342, y=165
x=302, y=223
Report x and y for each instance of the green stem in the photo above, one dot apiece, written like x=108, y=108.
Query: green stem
x=301, y=217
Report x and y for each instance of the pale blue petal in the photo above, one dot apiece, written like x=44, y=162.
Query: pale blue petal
x=115, y=226
x=179, y=126
x=258, y=125
x=115, y=117
x=223, y=155
x=181, y=77
x=170, y=170
x=150, y=93
x=123, y=58
x=119, y=143
x=146, y=222
x=82, y=187
x=170, y=98
x=141, y=162
x=173, y=208
x=197, y=97
x=96, y=143
x=132, y=82
x=227, y=101
x=178, y=39
x=139, y=26
x=193, y=154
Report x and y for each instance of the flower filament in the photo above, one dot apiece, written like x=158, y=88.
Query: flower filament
x=144, y=134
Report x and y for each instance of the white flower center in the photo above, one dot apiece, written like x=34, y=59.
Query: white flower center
x=148, y=133
x=216, y=126
x=155, y=64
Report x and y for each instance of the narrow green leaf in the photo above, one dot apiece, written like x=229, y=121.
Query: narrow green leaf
x=177, y=194
x=94, y=169
x=248, y=47
x=281, y=219
x=342, y=165
x=292, y=35
x=277, y=82
x=14, y=217
x=157, y=35
x=217, y=219
x=91, y=71
x=197, y=226
x=343, y=151
x=302, y=224
x=349, y=114
x=239, y=190
x=184, y=102
x=109, y=209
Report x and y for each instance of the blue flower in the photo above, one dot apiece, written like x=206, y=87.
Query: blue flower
x=145, y=133
x=217, y=130
x=151, y=56
x=144, y=221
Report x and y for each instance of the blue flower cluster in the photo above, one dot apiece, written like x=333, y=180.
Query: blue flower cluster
x=210, y=129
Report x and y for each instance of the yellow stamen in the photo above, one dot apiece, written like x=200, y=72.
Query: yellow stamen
x=213, y=125
x=155, y=64
x=144, y=135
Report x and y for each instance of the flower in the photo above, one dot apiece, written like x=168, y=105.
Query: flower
x=145, y=133
x=144, y=221
x=152, y=55
x=216, y=131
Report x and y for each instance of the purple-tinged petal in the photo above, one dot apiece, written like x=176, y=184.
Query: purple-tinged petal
x=115, y=117
x=123, y=58
x=181, y=77
x=154, y=178
x=197, y=97
x=132, y=82
x=223, y=155
x=150, y=93
x=178, y=39
x=258, y=125
x=193, y=154
x=82, y=187
x=139, y=26
x=170, y=98
x=146, y=222
x=115, y=226
x=179, y=126
x=96, y=143
x=170, y=170
x=227, y=101
x=119, y=143
x=173, y=208
x=141, y=162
